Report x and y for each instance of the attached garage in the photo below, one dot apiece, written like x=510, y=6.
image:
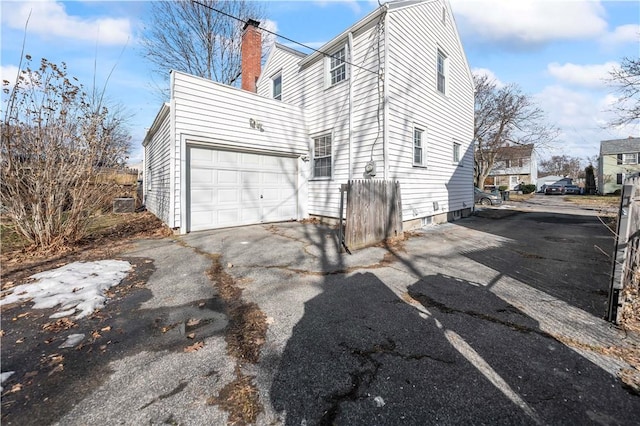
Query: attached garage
x=231, y=188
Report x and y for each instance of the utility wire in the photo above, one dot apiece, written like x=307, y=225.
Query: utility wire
x=280, y=36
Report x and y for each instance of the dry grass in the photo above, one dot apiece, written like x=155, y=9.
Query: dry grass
x=602, y=201
x=240, y=399
x=108, y=235
x=245, y=336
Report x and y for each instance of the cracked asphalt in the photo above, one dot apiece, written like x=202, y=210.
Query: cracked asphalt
x=492, y=319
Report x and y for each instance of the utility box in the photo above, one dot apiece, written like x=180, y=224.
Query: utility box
x=124, y=205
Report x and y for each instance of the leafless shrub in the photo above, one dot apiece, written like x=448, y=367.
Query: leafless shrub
x=55, y=140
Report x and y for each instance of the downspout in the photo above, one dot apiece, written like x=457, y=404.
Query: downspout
x=350, y=41
x=385, y=95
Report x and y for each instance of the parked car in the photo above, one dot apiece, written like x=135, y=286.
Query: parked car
x=554, y=190
x=486, y=198
x=572, y=189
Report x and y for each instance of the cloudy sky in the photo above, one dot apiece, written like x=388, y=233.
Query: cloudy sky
x=559, y=52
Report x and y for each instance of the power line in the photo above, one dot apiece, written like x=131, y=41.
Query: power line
x=280, y=36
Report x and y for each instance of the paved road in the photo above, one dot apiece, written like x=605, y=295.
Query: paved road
x=493, y=319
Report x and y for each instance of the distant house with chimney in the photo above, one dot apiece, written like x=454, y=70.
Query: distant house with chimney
x=391, y=97
x=619, y=158
x=514, y=165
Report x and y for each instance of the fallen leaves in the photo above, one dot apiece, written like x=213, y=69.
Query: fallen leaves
x=59, y=325
x=193, y=322
x=195, y=347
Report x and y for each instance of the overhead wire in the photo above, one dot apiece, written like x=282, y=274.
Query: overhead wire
x=279, y=35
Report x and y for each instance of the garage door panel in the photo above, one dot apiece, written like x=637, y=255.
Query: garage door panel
x=202, y=176
x=203, y=196
x=233, y=188
x=228, y=196
x=228, y=177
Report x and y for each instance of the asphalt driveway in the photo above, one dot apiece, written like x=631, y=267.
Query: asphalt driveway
x=493, y=319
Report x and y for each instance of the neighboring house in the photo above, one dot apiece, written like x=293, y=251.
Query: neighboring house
x=390, y=98
x=618, y=158
x=545, y=181
x=514, y=165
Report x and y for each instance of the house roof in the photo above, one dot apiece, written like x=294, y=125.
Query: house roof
x=517, y=151
x=620, y=146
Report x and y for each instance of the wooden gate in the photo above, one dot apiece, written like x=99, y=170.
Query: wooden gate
x=374, y=212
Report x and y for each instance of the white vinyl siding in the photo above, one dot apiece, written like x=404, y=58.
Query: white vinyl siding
x=414, y=98
x=156, y=175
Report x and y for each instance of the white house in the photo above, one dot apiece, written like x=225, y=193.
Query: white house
x=391, y=97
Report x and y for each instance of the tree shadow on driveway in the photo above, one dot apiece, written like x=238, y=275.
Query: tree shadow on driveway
x=447, y=352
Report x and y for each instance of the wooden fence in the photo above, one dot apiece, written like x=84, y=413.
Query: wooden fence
x=374, y=212
x=624, y=293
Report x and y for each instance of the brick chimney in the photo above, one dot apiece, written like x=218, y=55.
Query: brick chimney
x=251, y=52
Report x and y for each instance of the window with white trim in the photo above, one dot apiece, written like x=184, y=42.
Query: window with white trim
x=276, y=84
x=322, y=156
x=418, y=147
x=456, y=152
x=630, y=158
x=620, y=178
x=337, y=66
x=441, y=70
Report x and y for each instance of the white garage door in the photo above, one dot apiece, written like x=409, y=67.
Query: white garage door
x=229, y=188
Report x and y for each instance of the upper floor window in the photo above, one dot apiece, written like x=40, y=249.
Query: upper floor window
x=338, y=66
x=630, y=158
x=441, y=71
x=276, y=83
x=456, y=152
x=322, y=156
x=418, y=147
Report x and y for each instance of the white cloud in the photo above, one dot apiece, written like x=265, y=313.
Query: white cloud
x=623, y=34
x=530, y=22
x=9, y=73
x=582, y=117
x=50, y=19
x=593, y=76
x=490, y=74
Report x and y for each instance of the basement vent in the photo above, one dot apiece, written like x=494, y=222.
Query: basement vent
x=426, y=221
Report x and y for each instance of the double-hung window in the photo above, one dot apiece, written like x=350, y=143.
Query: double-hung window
x=418, y=147
x=322, y=156
x=441, y=70
x=337, y=66
x=276, y=83
x=456, y=152
x=630, y=158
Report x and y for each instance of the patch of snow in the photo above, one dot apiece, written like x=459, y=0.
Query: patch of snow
x=78, y=286
x=3, y=378
x=72, y=340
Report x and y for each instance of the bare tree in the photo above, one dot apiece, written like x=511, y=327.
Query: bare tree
x=504, y=116
x=189, y=36
x=561, y=165
x=626, y=82
x=56, y=140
